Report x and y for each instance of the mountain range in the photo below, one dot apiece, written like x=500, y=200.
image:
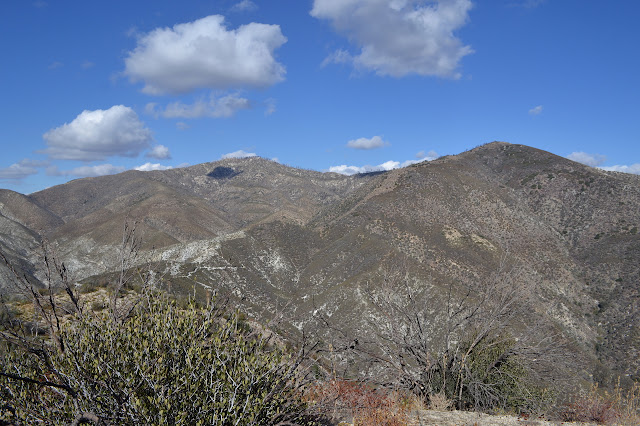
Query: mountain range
x=277, y=237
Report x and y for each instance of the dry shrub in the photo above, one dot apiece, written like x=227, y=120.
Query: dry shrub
x=440, y=402
x=619, y=407
x=628, y=403
x=340, y=398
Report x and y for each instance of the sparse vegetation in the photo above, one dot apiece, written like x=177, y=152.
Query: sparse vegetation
x=360, y=403
x=146, y=361
x=161, y=365
x=267, y=235
x=617, y=407
x=472, y=361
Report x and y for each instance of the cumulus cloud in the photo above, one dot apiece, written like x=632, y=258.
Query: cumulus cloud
x=634, y=168
x=536, y=110
x=239, y=154
x=387, y=165
x=87, y=171
x=244, y=6
x=399, y=37
x=146, y=167
x=96, y=135
x=159, y=152
x=224, y=107
x=205, y=54
x=352, y=170
x=21, y=170
x=592, y=160
x=364, y=143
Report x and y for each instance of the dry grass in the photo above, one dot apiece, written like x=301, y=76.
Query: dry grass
x=439, y=402
x=363, y=405
x=619, y=407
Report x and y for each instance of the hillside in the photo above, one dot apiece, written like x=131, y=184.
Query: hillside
x=320, y=242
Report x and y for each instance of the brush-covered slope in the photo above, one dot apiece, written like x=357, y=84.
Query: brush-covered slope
x=571, y=227
x=85, y=217
x=21, y=221
x=453, y=221
x=320, y=242
x=191, y=203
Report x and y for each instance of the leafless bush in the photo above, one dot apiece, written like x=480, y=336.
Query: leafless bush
x=473, y=344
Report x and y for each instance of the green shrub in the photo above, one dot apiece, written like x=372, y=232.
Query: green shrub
x=161, y=365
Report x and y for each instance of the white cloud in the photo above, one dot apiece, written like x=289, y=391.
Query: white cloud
x=431, y=155
x=596, y=160
x=634, y=168
x=224, y=107
x=536, y=110
x=592, y=160
x=420, y=157
x=271, y=106
x=55, y=65
x=340, y=56
x=364, y=143
x=146, y=167
x=152, y=109
x=159, y=152
x=352, y=170
x=244, y=6
x=388, y=165
x=238, y=154
x=204, y=54
x=527, y=4
x=87, y=64
x=87, y=171
x=181, y=125
x=21, y=170
x=399, y=37
x=96, y=135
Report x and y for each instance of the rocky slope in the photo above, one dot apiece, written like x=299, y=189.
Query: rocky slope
x=319, y=242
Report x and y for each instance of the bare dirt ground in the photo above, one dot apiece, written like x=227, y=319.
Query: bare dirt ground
x=466, y=418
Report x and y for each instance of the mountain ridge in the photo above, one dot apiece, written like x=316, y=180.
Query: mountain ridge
x=275, y=235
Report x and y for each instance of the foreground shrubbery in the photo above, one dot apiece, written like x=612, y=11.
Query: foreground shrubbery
x=161, y=365
x=140, y=357
x=360, y=403
x=619, y=407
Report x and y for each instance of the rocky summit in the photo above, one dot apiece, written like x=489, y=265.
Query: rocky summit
x=318, y=244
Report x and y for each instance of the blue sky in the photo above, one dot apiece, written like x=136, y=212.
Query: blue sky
x=97, y=87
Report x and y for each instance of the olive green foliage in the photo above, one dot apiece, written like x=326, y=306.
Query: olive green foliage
x=163, y=364
x=486, y=374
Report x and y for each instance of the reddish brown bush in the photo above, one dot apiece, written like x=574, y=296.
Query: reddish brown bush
x=619, y=407
x=364, y=404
